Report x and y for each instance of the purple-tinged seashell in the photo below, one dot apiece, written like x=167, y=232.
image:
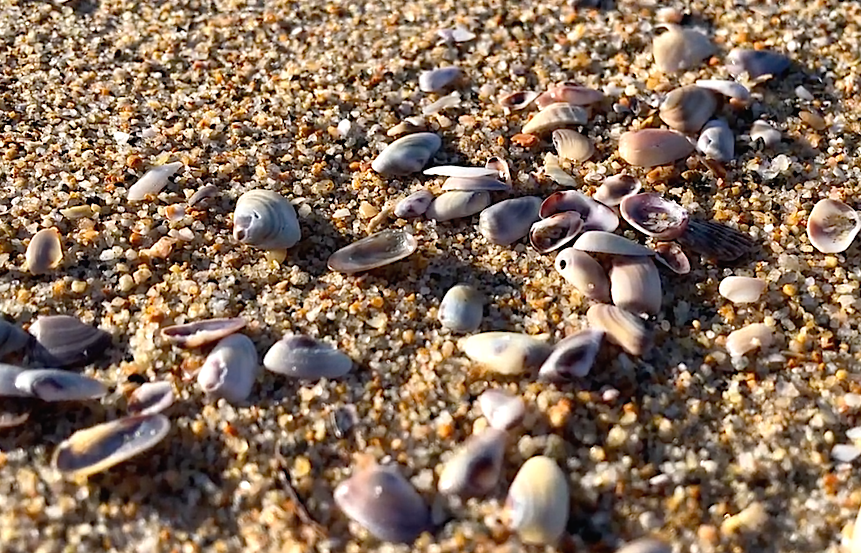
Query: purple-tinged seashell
x=231, y=369
x=616, y=188
x=509, y=220
x=555, y=231
x=438, y=79
x=573, y=357
x=414, y=205
x=516, y=101
x=832, y=226
x=653, y=147
x=64, y=341
x=407, y=154
x=471, y=184
x=756, y=63
x=622, y=327
x=198, y=333
x=475, y=468
x=303, y=357
x=655, y=216
x=58, y=385
x=151, y=397
x=717, y=141
x=673, y=257
x=595, y=215
x=582, y=271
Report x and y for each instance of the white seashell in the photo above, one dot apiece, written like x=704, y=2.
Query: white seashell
x=458, y=34
x=303, y=357
x=407, y=154
x=414, y=205
x=458, y=171
x=573, y=357
x=58, y=385
x=635, y=284
x=730, y=89
x=740, y=289
x=761, y=130
x=461, y=309
x=653, y=147
x=438, y=79
x=266, y=220
x=472, y=184
x=502, y=411
x=505, y=352
x=499, y=165
x=645, y=545
x=832, y=226
x=622, y=327
x=383, y=248
x=616, y=188
x=408, y=126
x=150, y=398
x=516, y=101
x=44, y=252
x=555, y=116
x=555, y=171
x=509, y=220
x=198, y=333
x=153, y=181
x=569, y=93
x=597, y=241
x=201, y=195
x=537, y=502
x=749, y=338
x=64, y=341
x=475, y=467
x=679, y=49
x=446, y=102
x=572, y=145
x=457, y=204
x=231, y=369
x=595, y=215
x=584, y=273
x=687, y=109
x=717, y=141
x=844, y=453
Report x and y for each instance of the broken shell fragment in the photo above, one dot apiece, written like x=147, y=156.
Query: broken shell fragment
x=202, y=194
x=740, y=289
x=14, y=412
x=673, y=257
x=509, y=220
x=537, y=502
x=153, y=181
x=516, y=101
x=749, y=338
x=756, y=63
x=150, y=398
x=715, y=240
x=502, y=411
x=407, y=154
x=459, y=171
x=622, y=327
x=58, y=385
x=457, y=204
x=572, y=145
x=408, y=126
x=557, y=174
x=12, y=338
x=761, y=130
x=555, y=231
x=198, y=333
x=44, y=252
x=573, y=357
x=381, y=500
x=377, y=250
x=266, y=220
x=595, y=215
x=461, y=309
x=616, y=188
x=499, y=165
x=505, y=352
x=596, y=241
x=687, y=109
x=555, y=116
x=584, y=273
x=635, y=284
x=645, y=545
x=414, y=205
x=64, y=341
x=730, y=89
x=230, y=370
x=679, y=49
x=469, y=184
x=99, y=448
x=448, y=101
x=717, y=141
x=300, y=356
x=569, y=93
x=439, y=79
x=474, y=469
x=655, y=216
x=653, y=147
x=832, y=226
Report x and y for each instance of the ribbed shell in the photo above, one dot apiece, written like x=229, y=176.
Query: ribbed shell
x=64, y=341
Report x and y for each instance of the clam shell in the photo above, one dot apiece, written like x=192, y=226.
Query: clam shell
x=635, y=284
x=537, y=502
x=230, y=369
x=655, y=216
x=595, y=215
x=301, y=356
x=505, y=352
x=8, y=375
x=153, y=181
x=573, y=357
x=832, y=226
x=556, y=173
x=715, y=240
x=555, y=231
x=44, y=252
x=408, y=126
x=616, y=188
x=749, y=338
x=502, y=411
x=761, y=130
x=461, y=309
x=58, y=385
x=457, y=204
x=687, y=109
x=516, y=101
x=12, y=338
x=555, y=116
x=717, y=141
x=150, y=398
x=679, y=49
x=741, y=289
x=499, y=165
x=379, y=249
x=458, y=34
x=202, y=194
x=198, y=333
x=99, y=448
x=446, y=102
x=509, y=220
x=14, y=412
x=381, y=500
x=414, y=205
x=653, y=147
x=569, y=93
x=475, y=468
x=407, y=154
x=596, y=241
x=439, y=79
x=645, y=545
x=584, y=273
x=730, y=89
x=470, y=184
x=622, y=327
x=671, y=256
x=756, y=63
x=64, y=341
x=265, y=219
x=572, y=145
x=458, y=171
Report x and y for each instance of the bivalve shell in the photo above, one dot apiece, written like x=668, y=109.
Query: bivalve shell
x=231, y=369
x=199, y=333
x=461, y=309
x=266, y=220
x=377, y=250
x=758, y=64
x=15, y=412
x=44, y=252
x=457, y=204
x=741, y=289
x=572, y=145
x=832, y=226
x=555, y=116
x=749, y=338
x=596, y=241
x=150, y=398
x=414, y=205
x=12, y=338
x=64, y=341
x=635, y=284
x=474, y=469
x=491, y=184
x=761, y=130
x=679, y=49
x=584, y=273
x=622, y=327
x=516, y=101
x=653, y=147
x=655, y=216
x=673, y=257
x=502, y=411
x=715, y=240
x=499, y=165
x=687, y=109
x=509, y=220
x=717, y=141
x=58, y=385
x=506, y=352
x=645, y=545
x=153, y=181
x=459, y=171
x=537, y=503
x=730, y=89
x=573, y=357
x=407, y=154
x=616, y=188
x=569, y=93
x=595, y=215
x=555, y=231
x=301, y=356
x=439, y=79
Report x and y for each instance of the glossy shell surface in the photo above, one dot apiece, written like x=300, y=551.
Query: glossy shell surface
x=44, y=252
x=596, y=241
x=153, y=181
x=749, y=338
x=555, y=116
x=266, y=220
x=741, y=289
x=654, y=215
x=414, y=205
x=832, y=226
x=377, y=250
x=59, y=385
x=64, y=341
x=502, y=410
x=151, y=397
x=687, y=109
x=457, y=204
x=572, y=145
x=537, y=502
x=635, y=284
x=506, y=352
x=582, y=271
x=304, y=357
x=555, y=231
x=230, y=369
x=573, y=357
x=622, y=327
x=616, y=188
x=653, y=147
x=595, y=215
x=461, y=309
x=407, y=155
x=509, y=220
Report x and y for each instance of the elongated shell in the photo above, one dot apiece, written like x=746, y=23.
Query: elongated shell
x=301, y=356
x=12, y=338
x=655, y=216
x=687, y=109
x=44, y=252
x=460, y=171
x=474, y=469
x=728, y=88
x=537, y=502
x=616, y=188
x=99, y=448
x=64, y=341
x=555, y=232
x=584, y=273
x=414, y=205
x=715, y=240
x=457, y=204
x=461, y=309
x=573, y=357
x=756, y=63
x=505, y=352
x=572, y=145
x=502, y=411
x=266, y=220
x=379, y=249
x=569, y=93
x=407, y=154
x=59, y=385
x=438, y=79
x=151, y=397
x=740, y=289
x=555, y=116
x=153, y=181
x=491, y=184
x=635, y=284
x=198, y=333
x=622, y=327
x=832, y=226
x=509, y=220
x=595, y=215
x=749, y=338
x=652, y=147
x=597, y=241
x=231, y=369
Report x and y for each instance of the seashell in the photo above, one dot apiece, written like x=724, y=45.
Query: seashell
x=381, y=500
x=12, y=338
x=756, y=63
x=379, y=249
x=555, y=231
x=761, y=130
x=717, y=141
x=407, y=154
x=584, y=273
x=679, y=49
x=8, y=376
x=14, y=412
x=458, y=34
x=301, y=356
x=715, y=240
x=198, y=333
x=266, y=220
x=616, y=188
x=461, y=309
x=153, y=181
x=740, y=289
x=622, y=327
x=596, y=241
x=408, y=126
x=749, y=338
x=537, y=502
x=645, y=545
x=99, y=448
x=832, y=226
x=502, y=411
x=596, y=216
x=44, y=252
x=569, y=93
x=438, y=79
x=509, y=220
x=414, y=205
x=555, y=116
x=202, y=194
x=64, y=341
x=687, y=109
x=458, y=171
x=446, y=102
x=505, y=352
x=573, y=357
x=230, y=369
x=655, y=216
x=471, y=184
x=558, y=175
x=671, y=256
x=475, y=468
x=730, y=89
x=516, y=101
x=635, y=285
x=653, y=147
x=572, y=145
x=457, y=204
x=151, y=398
x=58, y=385
x=501, y=167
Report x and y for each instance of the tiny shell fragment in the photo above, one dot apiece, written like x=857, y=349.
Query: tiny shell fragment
x=740, y=289
x=832, y=226
x=152, y=182
x=749, y=338
x=569, y=93
x=516, y=101
x=377, y=250
x=537, y=502
x=198, y=333
x=44, y=252
x=505, y=352
x=438, y=79
x=762, y=130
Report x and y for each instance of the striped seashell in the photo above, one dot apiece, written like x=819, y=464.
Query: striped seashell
x=266, y=220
